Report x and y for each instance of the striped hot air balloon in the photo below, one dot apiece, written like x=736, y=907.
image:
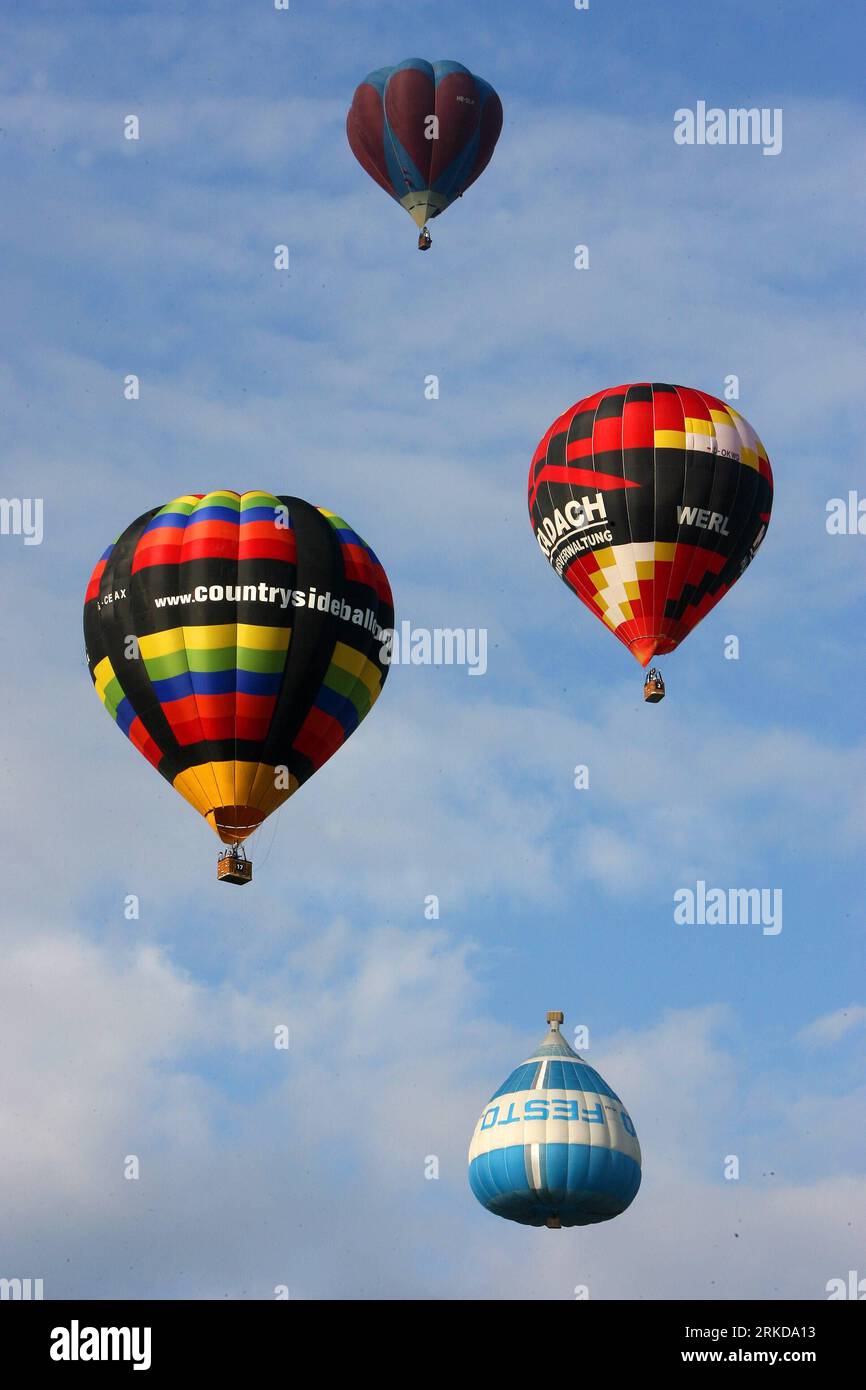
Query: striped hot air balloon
x=554, y=1146
x=236, y=639
x=650, y=501
x=424, y=132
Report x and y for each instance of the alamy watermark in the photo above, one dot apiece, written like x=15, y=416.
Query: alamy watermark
x=739, y=125
x=720, y=907
x=846, y=516
x=438, y=646
x=21, y=1289
x=22, y=516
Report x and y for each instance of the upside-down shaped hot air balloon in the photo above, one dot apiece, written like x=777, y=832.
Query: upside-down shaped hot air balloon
x=424, y=131
x=236, y=640
x=650, y=501
x=554, y=1145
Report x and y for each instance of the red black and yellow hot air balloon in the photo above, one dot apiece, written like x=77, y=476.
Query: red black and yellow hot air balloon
x=425, y=132
x=236, y=640
x=650, y=501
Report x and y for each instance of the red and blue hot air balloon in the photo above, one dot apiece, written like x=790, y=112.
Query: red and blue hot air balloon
x=424, y=131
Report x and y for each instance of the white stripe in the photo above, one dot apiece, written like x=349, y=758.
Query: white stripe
x=535, y=1165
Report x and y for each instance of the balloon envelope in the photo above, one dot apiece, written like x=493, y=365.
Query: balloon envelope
x=235, y=639
x=554, y=1144
x=424, y=166
x=650, y=501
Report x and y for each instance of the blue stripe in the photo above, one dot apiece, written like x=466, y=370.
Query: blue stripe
x=263, y=514
x=174, y=688
x=576, y=1076
x=417, y=65
x=217, y=683
x=445, y=66
x=259, y=682
x=581, y=1183
x=522, y=1079
x=341, y=708
x=125, y=715
x=166, y=519
x=560, y=1076
x=214, y=514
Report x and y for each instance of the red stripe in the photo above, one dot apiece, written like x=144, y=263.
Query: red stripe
x=95, y=578
x=579, y=477
x=668, y=410
x=637, y=425
x=319, y=737
x=144, y=743
x=155, y=555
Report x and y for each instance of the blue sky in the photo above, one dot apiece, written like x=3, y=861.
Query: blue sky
x=155, y=1038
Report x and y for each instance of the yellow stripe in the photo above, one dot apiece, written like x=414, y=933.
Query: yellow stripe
x=103, y=673
x=699, y=426
x=605, y=557
x=669, y=439
x=215, y=636
x=263, y=639
x=349, y=659
x=664, y=550
x=207, y=639
x=178, y=501
x=372, y=678
x=162, y=643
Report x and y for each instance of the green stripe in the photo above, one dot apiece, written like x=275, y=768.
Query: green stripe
x=162, y=668
x=254, y=659
x=219, y=499
x=183, y=507
x=259, y=499
x=354, y=689
x=112, y=696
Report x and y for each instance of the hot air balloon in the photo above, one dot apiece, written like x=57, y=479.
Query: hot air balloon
x=554, y=1145
x=236, y=640
x=650, y=501
x=424, y=132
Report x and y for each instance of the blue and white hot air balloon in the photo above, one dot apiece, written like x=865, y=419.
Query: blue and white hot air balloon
x=554, y=1145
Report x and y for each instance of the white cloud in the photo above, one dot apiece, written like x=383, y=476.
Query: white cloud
x=260, y=1167
x=831, y=1028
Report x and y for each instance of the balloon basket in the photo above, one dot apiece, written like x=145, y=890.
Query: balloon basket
x=653, y=687
x=234, y=867
x=553, y=1223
